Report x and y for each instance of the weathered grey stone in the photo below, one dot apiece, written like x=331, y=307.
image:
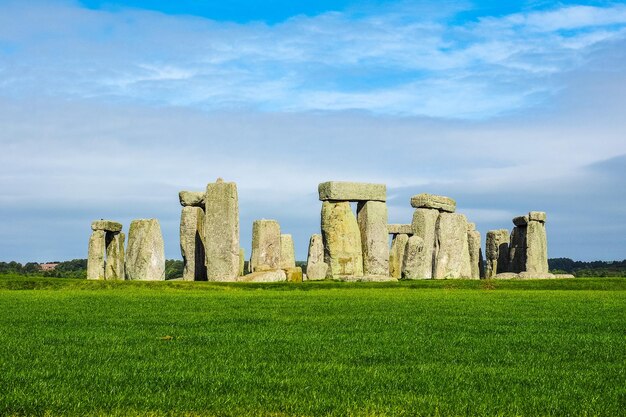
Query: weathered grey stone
x=368, y=278
x=293, y=274
x=287, y=252
x=536, y=275
x=145, y=257
x=242, y=261
x=520, y=220
x=397, y=229
x=192, y=243
x=316, y=268
x=431, y=201
x=106, y=225
x=352, y=191
x=114, y=268
x=191, y=199
x=536, y=248
x=452, y=251
x=506, y=275
x=95, y=255
x=265, y=245
x=497, y=252
x=414, y=258
x=221, y=231
x=424, y=225
x=372, y=219
x=396, y=255
x=562, y=276
x=517, y=249
x=538, y=216
x=276, y=275
x=342, y=240
x=474, y=244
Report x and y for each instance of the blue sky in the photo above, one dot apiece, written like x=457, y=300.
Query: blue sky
x=109, y=108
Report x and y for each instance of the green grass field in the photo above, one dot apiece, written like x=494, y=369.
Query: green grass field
x=511, y=348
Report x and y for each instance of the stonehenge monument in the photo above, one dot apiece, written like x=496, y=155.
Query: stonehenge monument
x=438, y=243
x=105, y=257
x=145, y=256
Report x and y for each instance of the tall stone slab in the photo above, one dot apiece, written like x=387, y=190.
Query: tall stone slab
x=517, y=249
x=372, y=219
x=424, y=225
x=192, y=243
x=536, y=244
x=342, y=240
x=95, y=255
x=316, y=268
x=497, y=246
x=265, y=246
x=242, y=261
x=145, y=255
x=114, y=269
x=452, y=249
x=414, y=258
x=287, y=252
x=476, y=258
x=396, y=255
x=221, y=231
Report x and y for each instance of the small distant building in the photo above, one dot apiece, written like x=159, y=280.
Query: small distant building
x=48, y=266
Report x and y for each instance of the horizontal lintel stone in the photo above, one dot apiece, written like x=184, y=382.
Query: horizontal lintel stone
x=191, y=198
x=106, y=225
x=520, y=220
x=431, y=201
x=397, y=229
x=352, y=191
x=538, y=216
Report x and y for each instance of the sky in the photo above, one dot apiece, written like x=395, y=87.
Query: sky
x=109, y=108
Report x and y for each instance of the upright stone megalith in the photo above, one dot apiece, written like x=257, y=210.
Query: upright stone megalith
x=287, y=253
x=396, y=255
x=105, y=259
x=316, y=268
x=342, y=240
x=452, y=253
x=517, y=245
x=221, y=231
x=145, y=255
x=192, y=243
x=424, y=225
x=414, y=258
x=497, y=248
x=474, y=246
x=536, y=244
x=372, y=219
x=265, y=254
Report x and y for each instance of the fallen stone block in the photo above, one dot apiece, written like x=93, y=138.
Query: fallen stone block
x=536, y=275
x=293, y=274
x=265, y=276
x=506, y=275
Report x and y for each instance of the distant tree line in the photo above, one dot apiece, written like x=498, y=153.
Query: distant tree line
x=588, y=269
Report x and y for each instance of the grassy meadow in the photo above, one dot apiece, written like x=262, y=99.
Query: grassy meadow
x=509, y=348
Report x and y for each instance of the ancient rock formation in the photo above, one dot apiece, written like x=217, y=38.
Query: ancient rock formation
x=316, y=268
x=342, y=240
x=266, y=245
x=145, y=256
x=287, y=253
x=497, y=248
x=414, y=258
x=452, y=253
x=372, y=220
x=424, y=225
x=475, y=252
x=221, y=231
x=95, y=255
x=293, y=274
x=191, y=199
x=437, y=202
x=397, y=229
x=192, y=243
x=536, y=244
x=275, y=275
x=352, y=191
x=105, y=258
x=396, y=255
x=114, y=268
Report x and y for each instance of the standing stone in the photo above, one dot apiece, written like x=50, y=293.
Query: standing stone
x=452, y=253
x=287, y=253
x=342, y=240
x=316, y=268
x=242, y=261
x=114, y=269
x=473, y=244
x=536, y=244
x=192, y=243
x=497, y=252
x=424, y=225
x=372, y=219
x=517, y=249
x=145, y=256
x=413, y=258
x=396, y=255
x=265, y=246
x=221, y=231
x=95, y=255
